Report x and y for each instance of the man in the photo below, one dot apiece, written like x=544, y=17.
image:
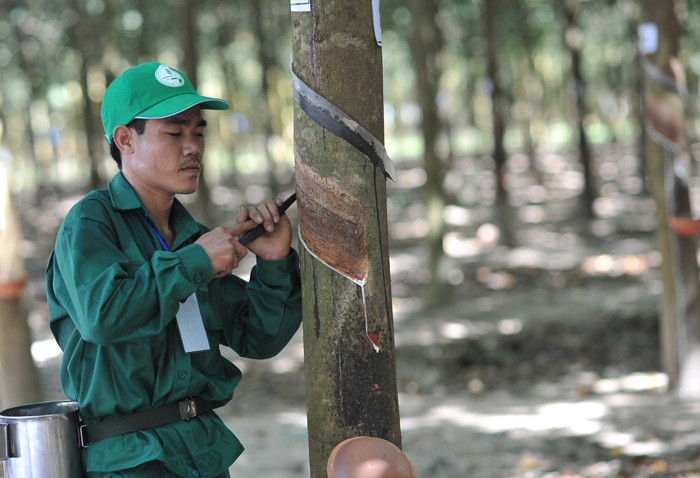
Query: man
x=141, y=296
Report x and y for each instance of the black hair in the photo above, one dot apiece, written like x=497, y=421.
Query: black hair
x=138, y=125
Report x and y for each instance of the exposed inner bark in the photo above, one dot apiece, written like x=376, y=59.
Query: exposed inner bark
x=332, y=223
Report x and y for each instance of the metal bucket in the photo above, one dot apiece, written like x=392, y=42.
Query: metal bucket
x=40, y=440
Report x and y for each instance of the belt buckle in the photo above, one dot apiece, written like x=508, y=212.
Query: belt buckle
x=82, y=436
x=188, y=409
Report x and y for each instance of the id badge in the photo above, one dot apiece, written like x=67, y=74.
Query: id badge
x=191, y=326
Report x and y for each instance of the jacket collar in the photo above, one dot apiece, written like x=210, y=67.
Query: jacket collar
x=124, y=198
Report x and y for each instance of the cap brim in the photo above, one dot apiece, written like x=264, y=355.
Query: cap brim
x=177, y=104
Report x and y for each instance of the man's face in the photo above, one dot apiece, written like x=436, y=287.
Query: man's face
x=167, y=157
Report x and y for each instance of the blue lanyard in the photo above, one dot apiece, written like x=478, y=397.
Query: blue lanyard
x=155, y=231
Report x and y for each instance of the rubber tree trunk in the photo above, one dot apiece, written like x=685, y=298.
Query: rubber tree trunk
x=264, y=111
x=425, y=49
x=84, y=33
x=574, y=40
x=499, y=111
x=18, y=376
x=201, y=208
x=664, y=99
x=351, y=386
x=26, y=66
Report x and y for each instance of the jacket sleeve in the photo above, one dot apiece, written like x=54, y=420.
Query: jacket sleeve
x=111, y=291
x=259, y=323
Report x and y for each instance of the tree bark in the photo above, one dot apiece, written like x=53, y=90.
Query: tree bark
x=35, y=92
x=266, y=62
x=667, y=153
x=351, y=388
x=574, y=40
x=83, y=38
x=499, y=111
x=425, y=49
x=201, y=209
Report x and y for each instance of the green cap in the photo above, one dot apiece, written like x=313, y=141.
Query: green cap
x=150, y=91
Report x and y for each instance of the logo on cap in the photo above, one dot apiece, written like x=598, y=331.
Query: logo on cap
x=169, y=77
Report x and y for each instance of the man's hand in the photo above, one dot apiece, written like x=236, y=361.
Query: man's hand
x=224, y=251
x=276, y=241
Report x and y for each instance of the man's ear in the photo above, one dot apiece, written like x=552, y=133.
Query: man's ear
x=122, y=137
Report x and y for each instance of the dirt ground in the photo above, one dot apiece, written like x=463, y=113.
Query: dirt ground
x=544, y=364
x=582, y=399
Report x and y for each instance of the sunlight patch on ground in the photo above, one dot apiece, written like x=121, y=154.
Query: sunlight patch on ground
x=291, y=361
x=45, y=350
x=510, y=326
x=528, y=257
x=635, y=382
x=461, y=330
x=416, y=228
x=571, y=419
x=442, y=330
x=627, y=444
x=458, y=246
x=295, y=418
x=404, y=262
x=496, y=280
x=412, y=178
x=402, y=306
x=456, y=215
x=283, y=365
x=454, y=331
x=591, y=418
x=612, y=266
x=532, y=214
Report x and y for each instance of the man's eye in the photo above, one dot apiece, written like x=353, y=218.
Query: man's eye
x=174, y=134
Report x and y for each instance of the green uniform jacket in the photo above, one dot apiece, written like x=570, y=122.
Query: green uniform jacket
x=113, y=294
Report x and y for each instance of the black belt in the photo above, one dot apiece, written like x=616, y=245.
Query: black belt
x=110, y=427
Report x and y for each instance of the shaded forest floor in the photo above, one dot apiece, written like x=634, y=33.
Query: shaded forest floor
x=544, y=362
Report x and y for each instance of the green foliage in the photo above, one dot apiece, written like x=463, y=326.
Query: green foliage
x=43, y=46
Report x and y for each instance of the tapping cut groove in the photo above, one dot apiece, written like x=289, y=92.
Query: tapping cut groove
x=331, y=223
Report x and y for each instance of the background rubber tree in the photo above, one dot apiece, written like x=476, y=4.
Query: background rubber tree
x=667, y=153
x=426, y=54
x=499, y=113
x=351, y=386
x=573, y=38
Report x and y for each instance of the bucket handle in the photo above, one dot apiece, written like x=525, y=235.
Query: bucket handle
x=4, y=442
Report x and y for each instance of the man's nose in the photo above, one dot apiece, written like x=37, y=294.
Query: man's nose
x=193, y=145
